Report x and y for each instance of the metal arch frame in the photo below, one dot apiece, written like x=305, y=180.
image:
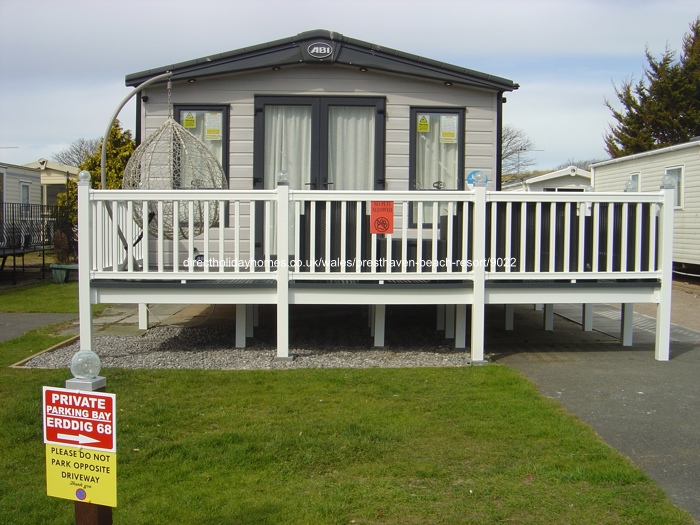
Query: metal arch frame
x=103, y=158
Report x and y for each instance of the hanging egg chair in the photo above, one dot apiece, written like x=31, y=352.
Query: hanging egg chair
x=172, y=158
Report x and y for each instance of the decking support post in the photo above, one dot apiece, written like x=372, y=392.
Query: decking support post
x=549, y=317
x=84, y=260
x=241, y=324
x=627, y=323
x=662, y=349
x=440, y=317
x=509, y=317
x=449, y=321
x=379, y=325
x=250, y=320
x=587, y=322
x=143, y=316
x=479, y=274
x=282, y=268
x=461, y=326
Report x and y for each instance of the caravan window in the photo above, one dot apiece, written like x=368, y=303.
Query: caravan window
x=677, y=174
x=437, y=149
x=210, y=125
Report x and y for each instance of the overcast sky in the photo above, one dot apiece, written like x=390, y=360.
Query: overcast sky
x=63, y=62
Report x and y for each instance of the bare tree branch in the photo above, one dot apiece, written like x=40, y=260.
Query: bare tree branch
x=77, y=152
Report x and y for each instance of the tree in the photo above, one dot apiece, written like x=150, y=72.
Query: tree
x=120, y=146
x=77, y=152
x=663, y=108
x=514, y=147
x=580, y=164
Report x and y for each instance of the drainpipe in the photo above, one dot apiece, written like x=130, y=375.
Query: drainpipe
x=499, y=137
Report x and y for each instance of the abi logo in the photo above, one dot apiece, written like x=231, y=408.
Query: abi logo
x=320, y=50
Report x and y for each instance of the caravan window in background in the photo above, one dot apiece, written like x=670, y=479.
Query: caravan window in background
x=677, y=173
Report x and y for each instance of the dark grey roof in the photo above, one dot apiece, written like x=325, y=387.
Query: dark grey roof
x=346, y=51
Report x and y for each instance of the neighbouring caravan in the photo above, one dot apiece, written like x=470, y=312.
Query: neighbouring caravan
x=644, y=172
x=19, y=184
x=570, y=178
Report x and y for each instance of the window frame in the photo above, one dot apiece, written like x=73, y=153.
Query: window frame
x=319, y=129
x=413, y=143
x=636, y=177
x=413, y=151
x=678, y=191
x=225, y=131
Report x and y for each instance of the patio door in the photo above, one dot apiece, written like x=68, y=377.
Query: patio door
x=322, y=143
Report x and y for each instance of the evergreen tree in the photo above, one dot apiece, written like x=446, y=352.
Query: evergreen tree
x=663, y=108
x=120, y=146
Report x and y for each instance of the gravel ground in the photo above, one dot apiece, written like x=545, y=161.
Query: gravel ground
x=318, y=337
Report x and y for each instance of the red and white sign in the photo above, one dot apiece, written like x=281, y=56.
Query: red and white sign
x=381, y=217
x=80, y=419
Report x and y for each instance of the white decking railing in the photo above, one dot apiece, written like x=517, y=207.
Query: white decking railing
x=534, y=246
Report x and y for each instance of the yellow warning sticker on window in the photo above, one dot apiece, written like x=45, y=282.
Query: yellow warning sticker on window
x=190, y=121
x=423, y=124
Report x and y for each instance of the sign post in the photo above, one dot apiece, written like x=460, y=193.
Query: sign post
x=80, y=439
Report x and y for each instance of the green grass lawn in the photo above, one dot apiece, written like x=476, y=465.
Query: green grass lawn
x=44, y=297
x=473, y=445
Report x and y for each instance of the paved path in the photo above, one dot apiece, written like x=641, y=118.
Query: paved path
x=648, y=410
x=15, y=325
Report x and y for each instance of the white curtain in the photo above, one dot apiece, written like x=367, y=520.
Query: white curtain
x=436, y=157
x=288, y=145
x=436, y=154
x=351, y=148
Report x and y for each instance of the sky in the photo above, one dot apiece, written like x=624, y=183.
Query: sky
x=63, y=62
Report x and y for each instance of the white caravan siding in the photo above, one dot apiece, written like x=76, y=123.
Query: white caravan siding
x=16, y=176
x=238, y=92
x=651, y=167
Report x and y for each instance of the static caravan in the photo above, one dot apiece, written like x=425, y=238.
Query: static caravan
x=335, y=113
x=54, y=178
x=644, y=172
x=21, y=217
x=351, y=174
x=19, y=184
x=565, y=179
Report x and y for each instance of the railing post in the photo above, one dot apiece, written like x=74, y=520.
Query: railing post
x=479, y=273
x=282, y=231
x=84, y=260
x=663, y=308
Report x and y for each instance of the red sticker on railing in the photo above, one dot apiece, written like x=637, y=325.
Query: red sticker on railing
x=381, y=217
